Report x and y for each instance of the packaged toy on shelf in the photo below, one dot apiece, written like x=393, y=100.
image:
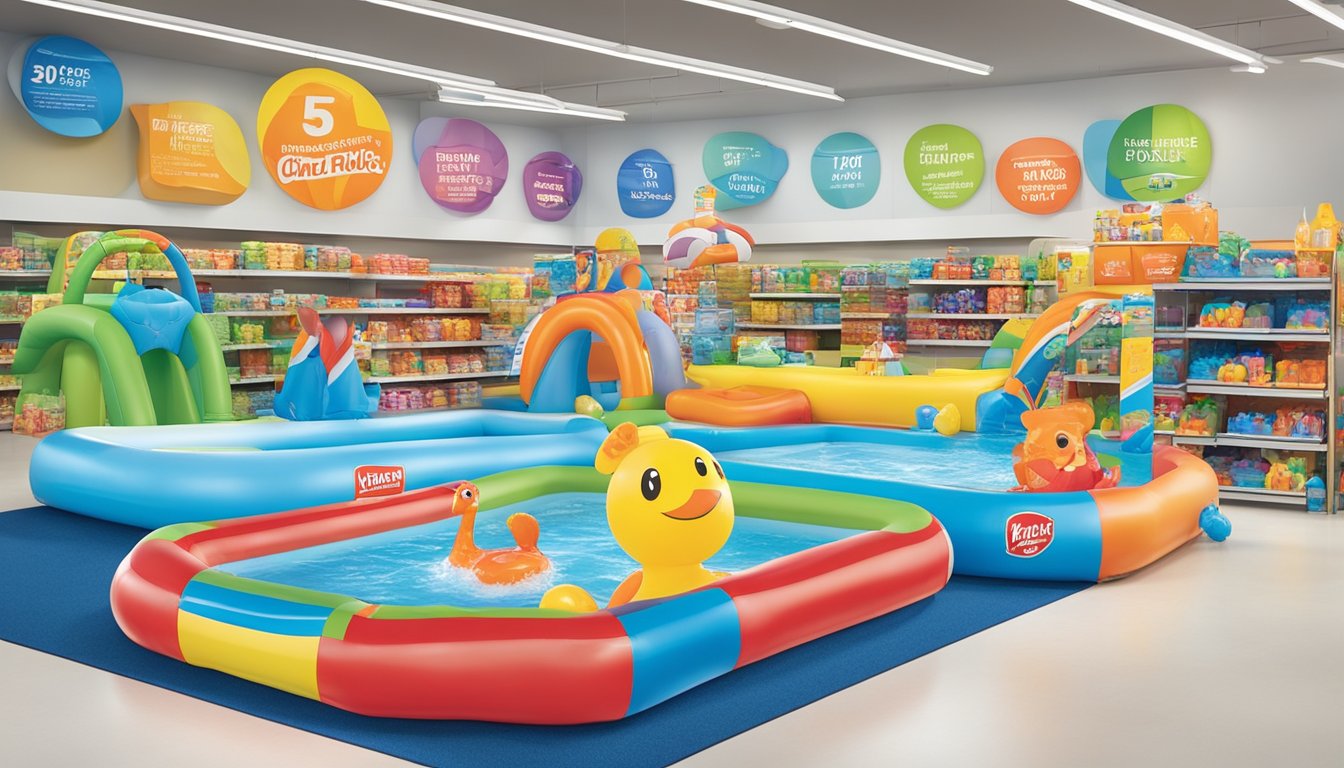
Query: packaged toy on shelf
x=1272, y=262
x=1168, y=362
x=1207, y=357
x=1299, y=422
x=1201, y=416
x=1166, y=409
x=1303, y=314
x=1222, y=314
x=38, y=415
x=879, y=359
x=1300, y=374
x=1251, y=423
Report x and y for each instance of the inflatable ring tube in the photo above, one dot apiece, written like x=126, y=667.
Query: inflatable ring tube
x=154, y=476
x=524, y=665
x=609, y=316
x=1094, y=535
x=845, y=396
x=744, y=406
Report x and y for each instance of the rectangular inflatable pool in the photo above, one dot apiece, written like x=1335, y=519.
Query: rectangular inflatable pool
x=349, y=603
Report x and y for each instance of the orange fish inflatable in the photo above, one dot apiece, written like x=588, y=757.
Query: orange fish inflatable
x=495, y=566
x=1055, y=456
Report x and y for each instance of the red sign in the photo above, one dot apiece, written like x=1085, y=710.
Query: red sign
x=1038, y=175
x=372, y=480
x=1028, y=534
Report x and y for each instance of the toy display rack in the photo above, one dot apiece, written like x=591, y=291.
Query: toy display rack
x=1189, y=294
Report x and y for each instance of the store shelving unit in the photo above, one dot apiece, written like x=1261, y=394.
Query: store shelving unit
x=790, y=326
x=960, y=348
x=1188, y=295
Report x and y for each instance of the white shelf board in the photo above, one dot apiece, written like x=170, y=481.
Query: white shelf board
x=1093, y=378
x=865, y=315
x=972, y=283
x=1261, y=441
x=948, y=342
x=380, y=345
x=788, y=327
x=255, y=380
x=434, y=377
x=1257, y=334
x=24, y=274
x=800, y=296
x=1248, y=284
x=160, y=274
x=1290, y=498
x=356, y=311
x=1203, y=387
x=970, y=316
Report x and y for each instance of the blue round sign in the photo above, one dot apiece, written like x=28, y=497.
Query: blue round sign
x=69, y=87
x=846, y=170
x=744, y=167
x=644, y=185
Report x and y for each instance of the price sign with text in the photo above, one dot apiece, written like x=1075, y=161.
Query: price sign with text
x=945, y=164
x=846, y=170
x=324, y=138
x=1038, y=175
x=191, y=152
x=552, y=184
x=644, y=184
x=462, y=163
x=68, y=86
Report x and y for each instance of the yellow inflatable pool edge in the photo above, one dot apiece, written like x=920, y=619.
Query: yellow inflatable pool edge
x=845, y=396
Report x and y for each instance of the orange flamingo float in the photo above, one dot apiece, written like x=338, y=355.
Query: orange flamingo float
x=495, y=566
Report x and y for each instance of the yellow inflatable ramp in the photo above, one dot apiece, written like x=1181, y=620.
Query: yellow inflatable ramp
x=845, y=396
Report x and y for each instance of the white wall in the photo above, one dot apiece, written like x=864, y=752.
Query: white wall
x=1274, y=140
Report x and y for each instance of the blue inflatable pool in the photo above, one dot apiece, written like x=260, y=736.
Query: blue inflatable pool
x=964, y=481
x=156, y=476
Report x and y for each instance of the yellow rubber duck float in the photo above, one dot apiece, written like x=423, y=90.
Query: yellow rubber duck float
x=669, y=508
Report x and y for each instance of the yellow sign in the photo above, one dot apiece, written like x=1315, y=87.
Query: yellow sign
x=324, y=138
x=191, y=152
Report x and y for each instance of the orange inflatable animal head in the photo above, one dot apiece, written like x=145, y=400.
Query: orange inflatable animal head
x=1056, y=441
x=466, y=499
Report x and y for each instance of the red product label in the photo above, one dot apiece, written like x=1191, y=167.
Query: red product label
x=373, y=480
x=1028, y=534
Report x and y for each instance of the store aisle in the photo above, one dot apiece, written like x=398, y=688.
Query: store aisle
x=1218, y=655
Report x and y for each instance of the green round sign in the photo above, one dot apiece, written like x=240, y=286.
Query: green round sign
x=945, y=164
x=1160, y=153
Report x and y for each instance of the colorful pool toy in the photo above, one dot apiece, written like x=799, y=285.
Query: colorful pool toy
x=179, y=593
x=744, y=406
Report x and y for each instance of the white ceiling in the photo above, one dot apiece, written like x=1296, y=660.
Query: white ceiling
x=1025, y=40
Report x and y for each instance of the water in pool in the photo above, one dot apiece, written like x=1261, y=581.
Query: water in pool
x=977, y=461
x=405, y=567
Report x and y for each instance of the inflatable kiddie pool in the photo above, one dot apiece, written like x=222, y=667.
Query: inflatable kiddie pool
x=155, y=476
x=349, y=603
x=964, y=480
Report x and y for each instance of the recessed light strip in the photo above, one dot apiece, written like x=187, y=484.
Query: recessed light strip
x=562, y=37
x=818, y=26
x=501, y=97
x=1320, y=12
x=1169, y=28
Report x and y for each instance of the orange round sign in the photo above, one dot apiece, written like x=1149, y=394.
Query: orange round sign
x=324, y=138
x=1039, y=175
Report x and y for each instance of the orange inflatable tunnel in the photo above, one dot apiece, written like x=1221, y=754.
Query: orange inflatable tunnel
x=744, y=406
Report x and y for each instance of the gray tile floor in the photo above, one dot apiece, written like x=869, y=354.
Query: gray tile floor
x=1220, y=655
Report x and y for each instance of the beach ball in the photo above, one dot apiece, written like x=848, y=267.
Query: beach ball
x=948, y=420
x=706, y=240
x=924, y=416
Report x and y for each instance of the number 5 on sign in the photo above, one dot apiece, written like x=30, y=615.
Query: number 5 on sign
x=313, y=110
x=324, y=138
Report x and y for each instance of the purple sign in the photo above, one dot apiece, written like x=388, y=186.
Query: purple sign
x=551, y=183
x=462, y=163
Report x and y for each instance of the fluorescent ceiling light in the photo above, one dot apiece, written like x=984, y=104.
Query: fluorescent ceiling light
x=1320, y=12
x=500, y=97
x=1188, y=35
x=783, y=18
x=466, y=98
x=1327, y=61
x=531, y=31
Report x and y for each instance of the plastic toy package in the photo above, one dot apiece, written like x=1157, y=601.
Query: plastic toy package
x=1201, y=416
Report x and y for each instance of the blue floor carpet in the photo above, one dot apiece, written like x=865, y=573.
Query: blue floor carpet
x=54, y=574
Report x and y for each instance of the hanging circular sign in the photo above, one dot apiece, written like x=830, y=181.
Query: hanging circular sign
x=67, y=86
x=324, y=138
x=744, y=167
x=551, y=184
x=462, y=163
x=1039, y=175
x=1162, y=152
x=644, y=185
x=846, y=170
x=945, y=164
